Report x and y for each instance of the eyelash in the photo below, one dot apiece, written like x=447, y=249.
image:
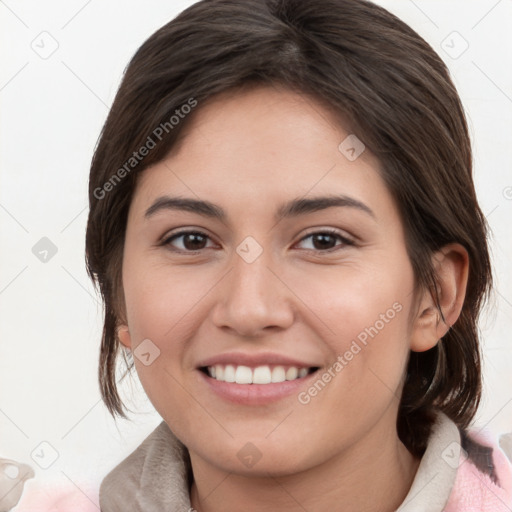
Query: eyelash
x=332, y=232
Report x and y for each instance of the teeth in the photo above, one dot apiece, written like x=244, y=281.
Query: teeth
x=259, y=375
x=243, y=375
x=229, y=373
x=278, y=374
x=262, y=375
x=292, y=373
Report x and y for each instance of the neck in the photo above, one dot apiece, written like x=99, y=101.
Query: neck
x=373, y=476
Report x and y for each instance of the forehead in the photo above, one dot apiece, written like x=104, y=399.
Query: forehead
x=266, y=120
x=256, y=148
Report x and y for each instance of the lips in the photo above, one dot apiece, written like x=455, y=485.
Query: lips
x=255, y=379
x=256, y=359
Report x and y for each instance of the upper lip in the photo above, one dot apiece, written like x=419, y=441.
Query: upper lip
x=254, y=360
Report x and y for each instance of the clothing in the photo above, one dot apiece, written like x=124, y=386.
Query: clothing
x=57, y=493
x=156, y=476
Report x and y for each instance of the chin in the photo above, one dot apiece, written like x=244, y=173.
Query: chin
x=256, y=456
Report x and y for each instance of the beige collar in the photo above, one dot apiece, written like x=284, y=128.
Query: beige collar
x=155, y=477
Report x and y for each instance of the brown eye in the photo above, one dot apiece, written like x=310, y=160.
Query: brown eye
x=326, y=240
x=191, y=240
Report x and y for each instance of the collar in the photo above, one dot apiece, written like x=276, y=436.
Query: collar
x=437, y=471
x=156, y=476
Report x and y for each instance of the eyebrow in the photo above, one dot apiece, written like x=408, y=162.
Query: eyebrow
x=293, y=208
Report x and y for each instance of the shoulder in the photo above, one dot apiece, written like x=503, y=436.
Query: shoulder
x=460, y=472
x=132, y=483
x=484, y=476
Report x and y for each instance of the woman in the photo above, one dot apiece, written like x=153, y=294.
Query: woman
x=291, y=372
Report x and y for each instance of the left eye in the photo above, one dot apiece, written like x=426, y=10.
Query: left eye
x=324, y=239
x=195, y=240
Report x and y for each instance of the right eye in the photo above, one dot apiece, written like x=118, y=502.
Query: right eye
x=192, y=241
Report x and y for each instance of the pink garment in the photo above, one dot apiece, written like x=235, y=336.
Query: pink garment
x=476, y=492
x=59, y=496
x=472, y=491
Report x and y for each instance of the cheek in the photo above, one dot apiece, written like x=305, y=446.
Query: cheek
x=364, y=318
x=164, y=305
x=160, y=299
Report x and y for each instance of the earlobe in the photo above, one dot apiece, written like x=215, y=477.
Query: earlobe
x=123, y=335
x=451, y=265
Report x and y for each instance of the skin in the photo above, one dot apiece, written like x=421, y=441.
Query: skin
x=250, y=152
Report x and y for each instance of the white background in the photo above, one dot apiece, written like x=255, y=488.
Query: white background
x=52, y=110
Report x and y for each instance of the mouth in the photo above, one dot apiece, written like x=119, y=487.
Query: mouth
x=263, y=374
x=254, y=378
x=258, y=385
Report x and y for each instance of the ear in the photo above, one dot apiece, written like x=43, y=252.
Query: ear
x=451, y=265
x=123, y=334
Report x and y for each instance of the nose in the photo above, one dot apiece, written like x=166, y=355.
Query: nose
x=253, y=297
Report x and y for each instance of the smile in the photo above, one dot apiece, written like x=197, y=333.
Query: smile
x=264, y=374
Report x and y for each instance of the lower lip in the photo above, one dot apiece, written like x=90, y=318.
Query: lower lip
x=256, y=394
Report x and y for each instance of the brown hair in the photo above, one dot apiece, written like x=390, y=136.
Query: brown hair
x=384, y=81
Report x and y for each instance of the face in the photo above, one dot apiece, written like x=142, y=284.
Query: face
x=312, y=295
